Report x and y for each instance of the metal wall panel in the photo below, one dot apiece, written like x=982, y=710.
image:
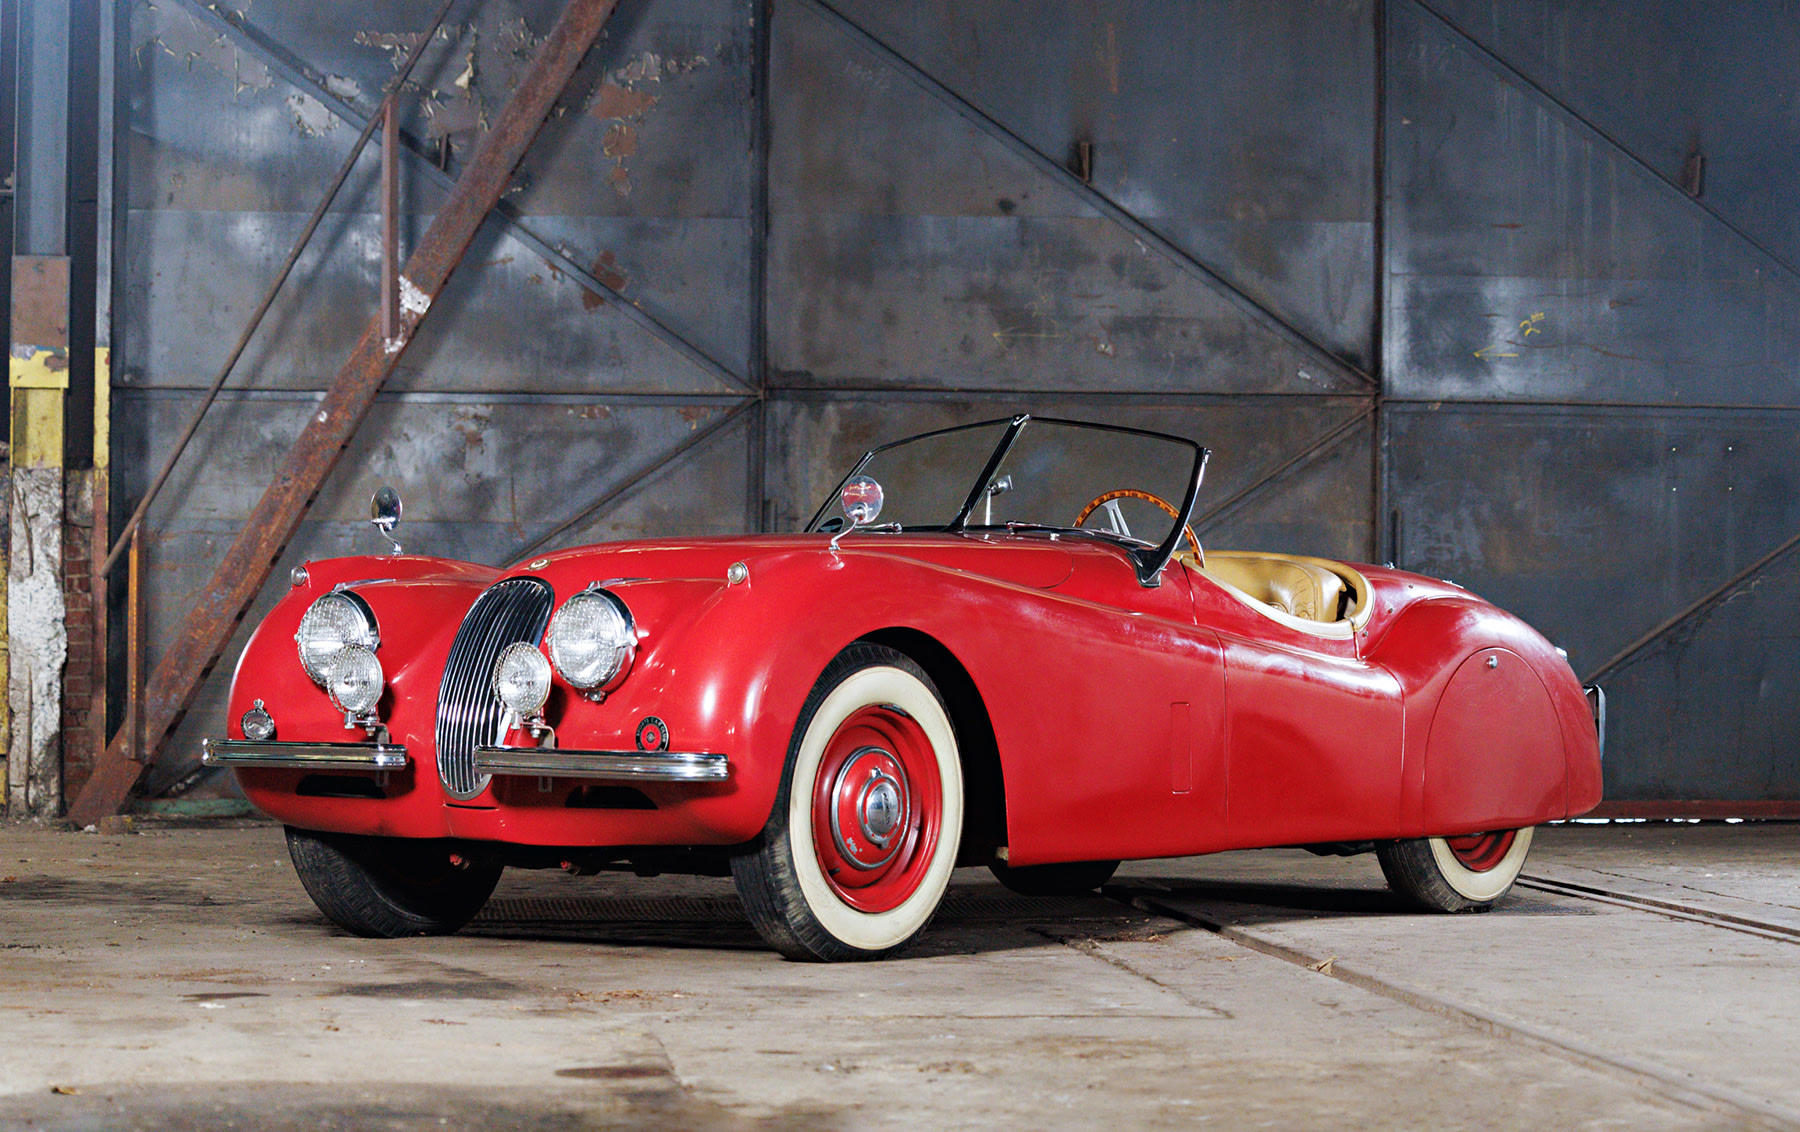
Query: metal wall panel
x=954, y=263
x=228, y=156
x=1530, y=259
x=1710, y=80
x=1595, y=527
x=871, y=212
x=1549, y=243
x=1241, y=129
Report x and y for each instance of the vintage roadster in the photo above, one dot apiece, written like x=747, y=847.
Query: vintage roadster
x=992, y=657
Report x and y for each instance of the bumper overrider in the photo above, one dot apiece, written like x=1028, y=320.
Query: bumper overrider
x=535, y=762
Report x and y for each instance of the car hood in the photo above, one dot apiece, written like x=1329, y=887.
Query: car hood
x=1020, y=560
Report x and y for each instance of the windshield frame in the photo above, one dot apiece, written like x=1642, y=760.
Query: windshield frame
x=1148, y=561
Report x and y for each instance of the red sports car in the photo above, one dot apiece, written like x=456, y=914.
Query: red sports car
x=993, y=657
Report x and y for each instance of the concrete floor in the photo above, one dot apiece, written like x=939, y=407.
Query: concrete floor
x=1646, y=977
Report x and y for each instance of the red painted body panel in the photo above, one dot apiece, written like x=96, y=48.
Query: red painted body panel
x=1130, y=721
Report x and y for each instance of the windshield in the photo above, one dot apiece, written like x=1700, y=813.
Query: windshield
x=1123, y=485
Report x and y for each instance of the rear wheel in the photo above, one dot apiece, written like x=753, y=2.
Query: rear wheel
x=1067, y=879
x=859, y=847
x=1455, y=874
x=385, y=887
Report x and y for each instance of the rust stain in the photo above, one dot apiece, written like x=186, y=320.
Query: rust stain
x=592, y=412
x=614, y=103
x=620, y=142
x=621, y=180
x=693, y=416
x=605, y=269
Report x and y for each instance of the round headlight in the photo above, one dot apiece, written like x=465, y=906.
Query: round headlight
x=591, y=639
x=334, y=621
x=522, y=679
x=356, y=681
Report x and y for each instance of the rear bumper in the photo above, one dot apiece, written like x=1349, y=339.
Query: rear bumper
x=302, y=756
x=603, y=766
x=1596, y=698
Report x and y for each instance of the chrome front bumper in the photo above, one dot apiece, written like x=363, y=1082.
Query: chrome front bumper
x=302, y=756
x=609, y=766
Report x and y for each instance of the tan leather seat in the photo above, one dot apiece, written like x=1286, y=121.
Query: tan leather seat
x=1295, y=586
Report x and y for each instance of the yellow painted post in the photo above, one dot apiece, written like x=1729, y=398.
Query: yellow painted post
x=97, y=548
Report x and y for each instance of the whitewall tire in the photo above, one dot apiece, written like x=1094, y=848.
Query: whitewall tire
x=1455, y=874
x=863, y=837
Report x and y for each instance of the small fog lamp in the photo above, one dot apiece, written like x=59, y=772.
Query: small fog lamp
x=356, y=682
x=522, y=680
x=258, y=724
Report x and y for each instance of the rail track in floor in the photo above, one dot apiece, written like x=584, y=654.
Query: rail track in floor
x=1673, y=909
x=1744, y=1108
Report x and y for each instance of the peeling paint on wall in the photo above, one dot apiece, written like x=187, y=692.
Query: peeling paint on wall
x=605, y=269
x=184, y=38
x=39, y=642
x=311, y=117
x=624, y=104
x=344, y=87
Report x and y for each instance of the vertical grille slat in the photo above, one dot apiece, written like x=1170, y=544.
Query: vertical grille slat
x=469, y=714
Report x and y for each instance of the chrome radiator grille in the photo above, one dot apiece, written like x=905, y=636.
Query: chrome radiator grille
x=469, y=714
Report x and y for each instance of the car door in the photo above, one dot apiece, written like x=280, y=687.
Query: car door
x=1312, y=746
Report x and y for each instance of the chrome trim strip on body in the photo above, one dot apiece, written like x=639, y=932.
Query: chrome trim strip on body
x=302, y=756
x=615, y=766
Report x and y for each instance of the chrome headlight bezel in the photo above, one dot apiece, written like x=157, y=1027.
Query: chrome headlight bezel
x=614, y=643
x=356, y=625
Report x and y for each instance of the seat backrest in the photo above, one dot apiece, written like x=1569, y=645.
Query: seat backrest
x=1299, y=589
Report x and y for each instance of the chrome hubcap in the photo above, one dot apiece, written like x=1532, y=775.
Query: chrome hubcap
x=870, y=807
x=880, y=809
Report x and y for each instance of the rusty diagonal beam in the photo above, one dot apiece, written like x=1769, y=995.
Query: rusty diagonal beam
x=297, y=73
x=252, y=556
x=268, y=300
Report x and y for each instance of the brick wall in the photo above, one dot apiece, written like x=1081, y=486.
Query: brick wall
x=84, y=680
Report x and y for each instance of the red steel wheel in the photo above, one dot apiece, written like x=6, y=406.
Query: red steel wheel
x=863, y=837
x=877, y=808
x=1480, y=852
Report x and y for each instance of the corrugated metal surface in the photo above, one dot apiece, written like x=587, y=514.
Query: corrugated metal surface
x=876, y=213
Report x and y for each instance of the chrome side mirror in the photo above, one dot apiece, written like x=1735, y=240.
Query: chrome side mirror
x=861, y=499
x=384, y=513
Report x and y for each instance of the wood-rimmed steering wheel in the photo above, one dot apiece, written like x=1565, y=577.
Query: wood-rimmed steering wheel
x=1106, y=497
